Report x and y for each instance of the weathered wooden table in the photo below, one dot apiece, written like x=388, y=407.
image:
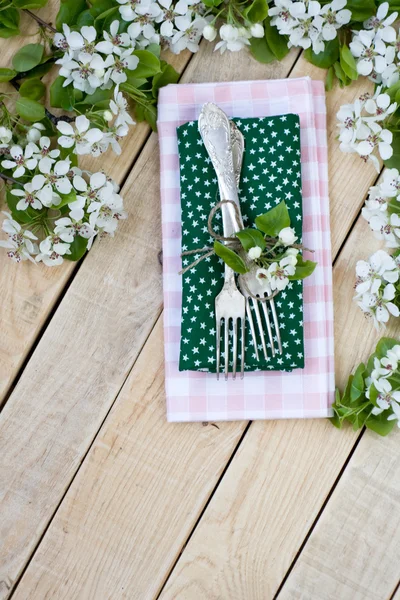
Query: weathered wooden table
x=102, y=499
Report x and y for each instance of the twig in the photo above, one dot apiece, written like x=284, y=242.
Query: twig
x=40, y=21
x=9, y=179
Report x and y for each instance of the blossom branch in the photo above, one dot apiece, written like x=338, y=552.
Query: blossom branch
x=8, y=179
x=40, y=21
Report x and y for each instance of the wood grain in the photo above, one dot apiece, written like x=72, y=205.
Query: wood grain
x=350, y=554
x=138, y=465
x=270, y=521
x=29, y=293
x=249, y=534
x=86, y=352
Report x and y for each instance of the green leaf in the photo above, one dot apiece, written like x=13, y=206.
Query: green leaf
x=78, y=248
x=33, y=89
x=148, y=66
x=69, y=12
x=380, y=424
x=62, y=97
x=31, y=4
x=330, y=76
x=154, y=49
x=29, y=109
x=27, y=57
x=303, y=269
x=147, y=113
x=324, y=59
x=9, y=23
x=21, y=216
x=384, y=345
x=273, y=221
x=168, y=75
x=67, y=199
x=7, y=74
x=104, y=20
x=393, y=90
x=230, y=257
x=100, y=6
x=358, y=384
x=394, y=161
x=373, y=394
x=341, y=75
x=361, y=10
x=249, y=238
x=40, y=70
x=348, y=63
x=257, y=11
x=261, y=51
x=277, y=43
x=85, y=18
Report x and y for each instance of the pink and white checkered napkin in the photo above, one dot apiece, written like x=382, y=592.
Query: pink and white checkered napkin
x=302, y=393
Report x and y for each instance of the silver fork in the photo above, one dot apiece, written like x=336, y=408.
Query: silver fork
x=230, y=304
x=252, y=283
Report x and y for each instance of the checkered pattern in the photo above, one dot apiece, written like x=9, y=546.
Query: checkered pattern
x=302, y=393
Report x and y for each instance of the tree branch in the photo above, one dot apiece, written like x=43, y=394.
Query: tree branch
x=9, y=179
x=40, y=21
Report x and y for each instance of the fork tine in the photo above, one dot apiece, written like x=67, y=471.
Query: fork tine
x=276, y=323
x=266, y=315
x=235, y=333
x=243, y=324
x=218, y=346
x=253, y=331
x=226, y=339
x=260, y=326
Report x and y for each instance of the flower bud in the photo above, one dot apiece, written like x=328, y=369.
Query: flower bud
x=287, y=236
x=209, y=33
x=5, y=135
x=108, y=115
x=254, y=252
x=33, y=135
x=257, y=30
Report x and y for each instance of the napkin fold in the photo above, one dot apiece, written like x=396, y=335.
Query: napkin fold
x=271, y=173
x=302, y=393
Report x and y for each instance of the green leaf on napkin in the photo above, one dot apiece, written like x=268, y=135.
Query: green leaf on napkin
x=274, y=220
x=249, y=238
x=229, y=256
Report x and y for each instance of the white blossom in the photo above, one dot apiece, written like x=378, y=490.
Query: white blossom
x=22, y=160
x=128, y=7
x=377, y=271
x=381, y=23
x=51, y=251
x=232, y=38
x=169, y=12
x=257, y=30
x=188, y=34
x=113, y=42
x=119, y=106
x=81, y=139
x=209, y=33
x=116, y=65
x=43, y=154
x=34, y=133
x=20, y=243
x=380, y=305
x=28, y=196
x=387, y=397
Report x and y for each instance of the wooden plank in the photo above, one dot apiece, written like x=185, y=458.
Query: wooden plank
x=352, y=551
x=138, y=465
x=287, y=475
x=85, y=354
x=267, y=500
x=29, y=294
x=349, y=177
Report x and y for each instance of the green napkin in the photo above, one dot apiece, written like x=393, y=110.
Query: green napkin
x=271, y=173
